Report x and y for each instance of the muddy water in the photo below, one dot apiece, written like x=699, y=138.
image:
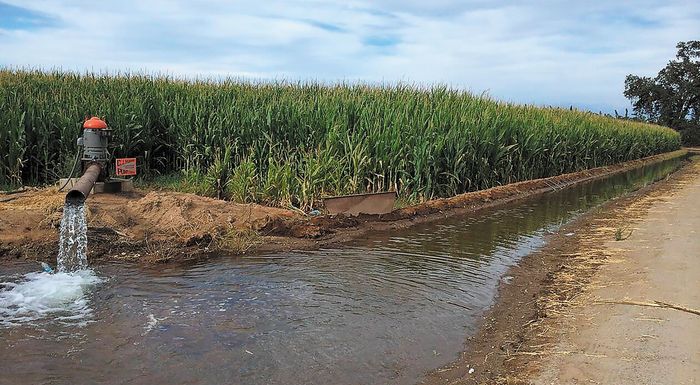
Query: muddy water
x=385, y=309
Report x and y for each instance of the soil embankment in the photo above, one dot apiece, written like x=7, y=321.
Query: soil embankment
x=166, y=226
x=609, y=300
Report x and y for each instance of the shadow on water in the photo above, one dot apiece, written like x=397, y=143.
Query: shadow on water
x=385, y=309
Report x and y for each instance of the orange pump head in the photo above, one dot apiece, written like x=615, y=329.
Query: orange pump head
x=95, y=123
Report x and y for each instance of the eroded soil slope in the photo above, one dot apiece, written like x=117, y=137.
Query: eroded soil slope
x=155, y=225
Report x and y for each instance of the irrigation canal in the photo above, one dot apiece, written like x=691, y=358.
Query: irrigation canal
x=382, y=310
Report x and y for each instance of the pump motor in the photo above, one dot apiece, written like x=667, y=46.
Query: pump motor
x=94, y=142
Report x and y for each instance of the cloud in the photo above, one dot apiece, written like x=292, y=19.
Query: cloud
x=546, y=52
x=18, y=18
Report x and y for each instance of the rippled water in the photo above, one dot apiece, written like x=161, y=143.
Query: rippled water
x=384, y=309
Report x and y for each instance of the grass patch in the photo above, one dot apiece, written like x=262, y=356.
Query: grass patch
x=239, y=241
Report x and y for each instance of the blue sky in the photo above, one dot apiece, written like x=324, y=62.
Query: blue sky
x=543, y=52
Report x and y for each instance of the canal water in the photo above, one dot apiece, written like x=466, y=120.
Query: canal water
x=383, y=310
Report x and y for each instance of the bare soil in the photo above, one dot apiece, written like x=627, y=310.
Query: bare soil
x=571, y=313
x=153, y=227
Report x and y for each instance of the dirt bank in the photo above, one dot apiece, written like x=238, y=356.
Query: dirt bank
x=165, y=226
x=553, y=323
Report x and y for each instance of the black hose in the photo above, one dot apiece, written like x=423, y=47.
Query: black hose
x=72, y=171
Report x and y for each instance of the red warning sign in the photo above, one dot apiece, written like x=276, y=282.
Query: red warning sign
x=126, y=166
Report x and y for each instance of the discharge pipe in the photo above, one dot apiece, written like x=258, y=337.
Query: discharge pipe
x=79, y=193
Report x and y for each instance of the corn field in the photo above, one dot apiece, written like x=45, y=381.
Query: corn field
x=290, y=144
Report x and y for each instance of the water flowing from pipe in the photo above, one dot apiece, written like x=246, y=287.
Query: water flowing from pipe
x=72, y=252
x=61, y=296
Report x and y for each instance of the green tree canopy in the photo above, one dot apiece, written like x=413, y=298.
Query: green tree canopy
x=672, y=98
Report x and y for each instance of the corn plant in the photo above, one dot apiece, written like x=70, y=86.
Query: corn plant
x=287, y=143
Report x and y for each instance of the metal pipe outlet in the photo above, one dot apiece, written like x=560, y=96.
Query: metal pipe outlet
x=82, y=188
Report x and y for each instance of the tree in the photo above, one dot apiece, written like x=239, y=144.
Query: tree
x=672, y=98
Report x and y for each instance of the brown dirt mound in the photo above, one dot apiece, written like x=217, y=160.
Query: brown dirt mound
x=179, y=216
x=157, y=223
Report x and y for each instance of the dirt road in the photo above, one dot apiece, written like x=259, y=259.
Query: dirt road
x=622, y=343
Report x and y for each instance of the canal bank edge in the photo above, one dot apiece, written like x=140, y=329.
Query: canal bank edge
x=158, y=227
x=328, y=231
x=519, y=333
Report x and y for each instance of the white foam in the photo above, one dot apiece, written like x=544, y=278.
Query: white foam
x=62, y=296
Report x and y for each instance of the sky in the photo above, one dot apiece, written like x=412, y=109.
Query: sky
x=544, y=52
